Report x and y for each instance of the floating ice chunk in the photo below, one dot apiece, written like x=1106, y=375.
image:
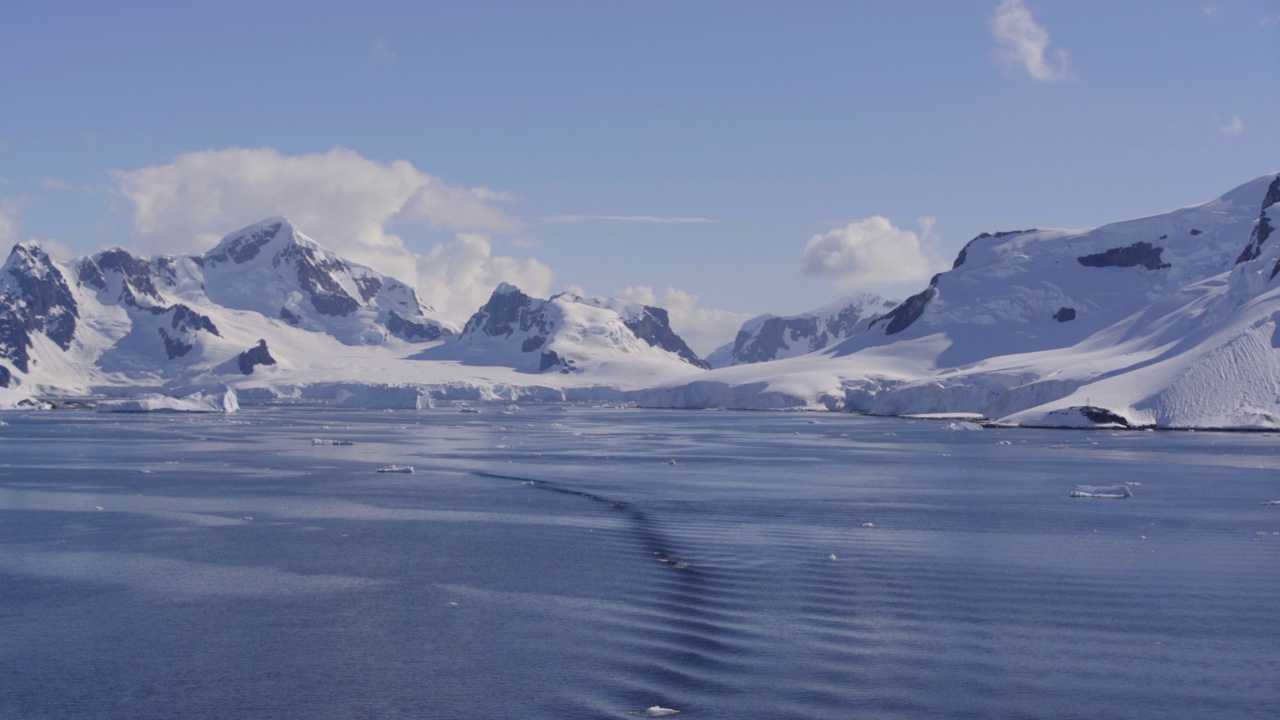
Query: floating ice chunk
x=323, y=441
x=1116, y=492
x=962, y=425
x=1004, y=442
x=408, y=469
x=672, y=461
x=659, y=711
x=196, y=402
x=469, y=410
x=1272, y=502
x=833, y=556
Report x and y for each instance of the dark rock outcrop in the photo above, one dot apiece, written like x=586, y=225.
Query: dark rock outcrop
x=289, y=316
x=1139, y=254
x=910, y=310
x=136, y=274
x=253, y=357
x=247, y=246
x=38, y=300
x=653, y=325
x=409, y=330
x=1261, y=233
x=508, y=309
x=964, y=251
x=1101, y=415
x=6, y=377
x=1065, y=314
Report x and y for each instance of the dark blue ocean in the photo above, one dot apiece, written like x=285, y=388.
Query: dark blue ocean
x=553, y=562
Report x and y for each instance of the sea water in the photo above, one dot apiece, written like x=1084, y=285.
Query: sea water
x=579, y=562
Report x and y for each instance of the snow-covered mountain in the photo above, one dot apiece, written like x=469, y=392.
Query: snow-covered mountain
x=773, y=337
x=568, y=334
x=269, y=308
x=1168, y=320
x=115, y=318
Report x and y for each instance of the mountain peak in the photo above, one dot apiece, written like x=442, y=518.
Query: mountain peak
x=244, y=244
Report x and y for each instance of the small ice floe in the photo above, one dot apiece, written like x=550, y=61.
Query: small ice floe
x=868, y=524
x=407, y=469
x=833, y=556
x=962, y=425
x=323, y=441
x=469, y=411
x=659, y=711
x=98, y=508
x=1114, y=492
x=1133, y=484
x=672, y=461
x=1005, y=442
x=1272, y=502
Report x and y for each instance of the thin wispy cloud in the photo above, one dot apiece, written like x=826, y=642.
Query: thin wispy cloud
x=629, y=218
x=381, y=54
x=53, y=183
x=1025, y=42
x=1234, y=127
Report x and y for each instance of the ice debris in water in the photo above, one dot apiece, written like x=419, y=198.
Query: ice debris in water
x=672, y=461
x=659, y=711
x=962, y=425
x=1004, y=442
x=1102, y=491
x=1272, y=502
x=322, y=441
x=396, y=469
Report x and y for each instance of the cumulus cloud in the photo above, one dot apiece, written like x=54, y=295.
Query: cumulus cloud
x=345, y=201
x=1025, y=42
x=872, y=252
x=628, y=218
x=703, y=328
x=1234, y=127
x=458, y=278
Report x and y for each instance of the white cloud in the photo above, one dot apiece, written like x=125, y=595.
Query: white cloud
x=52, y=183
x=703, y=328
x=628, y=218
x=1026, y=42
x=872, y=252
x=459, y=277
x=381, y=53
x=346, y=202
x=9, y=225
x=1234, y=127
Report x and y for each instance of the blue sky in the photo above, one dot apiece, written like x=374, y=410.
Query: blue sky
x=792, y=151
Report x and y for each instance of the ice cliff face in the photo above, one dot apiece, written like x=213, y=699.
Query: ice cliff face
x=1169, y=320
x=770, y=337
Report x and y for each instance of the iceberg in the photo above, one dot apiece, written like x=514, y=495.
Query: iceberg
x=407, y=469
x=224, y=402
x=1116, y=492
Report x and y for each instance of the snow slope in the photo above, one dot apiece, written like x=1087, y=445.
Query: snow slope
x=771, y=337
x=1167, y=321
